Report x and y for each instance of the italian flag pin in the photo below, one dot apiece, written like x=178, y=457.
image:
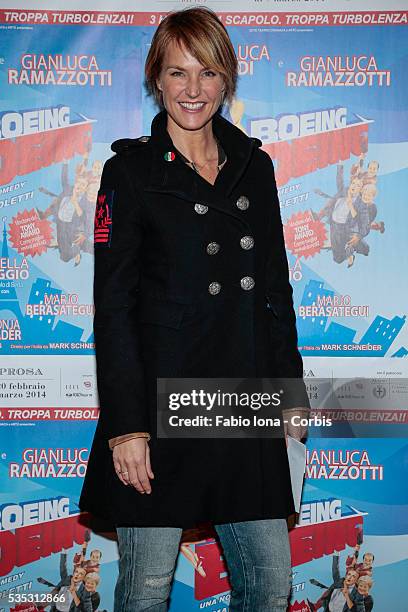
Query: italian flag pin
x=169, y=156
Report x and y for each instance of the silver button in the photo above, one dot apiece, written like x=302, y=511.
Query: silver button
x=144, y=139
x=247, y=242
x=242, y=203
x=247, y=283
x=214, y=288
x=201, y=209
x=213, y=248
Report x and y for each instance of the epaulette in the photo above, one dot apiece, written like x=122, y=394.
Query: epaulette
x=127, y=145
x=256, y=141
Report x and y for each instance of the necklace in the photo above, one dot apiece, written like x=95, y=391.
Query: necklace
x=222, y=158
x=197, y=168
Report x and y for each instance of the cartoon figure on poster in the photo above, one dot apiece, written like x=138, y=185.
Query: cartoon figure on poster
x=349, y=216
x=352, y=211
x=73, y=210
x=350, y=592
x=78, y=590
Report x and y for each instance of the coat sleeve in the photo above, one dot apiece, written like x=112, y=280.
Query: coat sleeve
x=279, y=296
x=335, y=568
x=63, y=566
x=340, y=179
x=119, y=367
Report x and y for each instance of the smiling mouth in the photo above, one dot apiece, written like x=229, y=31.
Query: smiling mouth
x=192, y=105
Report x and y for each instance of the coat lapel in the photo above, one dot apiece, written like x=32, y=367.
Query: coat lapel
x=176, y=178
x=239, y=149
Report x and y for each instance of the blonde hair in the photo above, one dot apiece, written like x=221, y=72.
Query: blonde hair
x=373, y=188
x=200, y=31
x=366, y=579
x=93, y=576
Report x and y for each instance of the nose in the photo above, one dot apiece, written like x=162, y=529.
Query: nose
x=193, y=87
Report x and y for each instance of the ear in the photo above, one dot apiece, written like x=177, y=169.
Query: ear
x=158, y=85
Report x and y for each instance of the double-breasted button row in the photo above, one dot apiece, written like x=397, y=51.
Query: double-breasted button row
x=246, y=242
x=247, y=283
x=242, y=203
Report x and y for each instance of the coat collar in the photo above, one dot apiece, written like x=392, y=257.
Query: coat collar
x=177, y=178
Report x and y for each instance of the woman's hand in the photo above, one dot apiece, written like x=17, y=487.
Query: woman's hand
x=349, y=602
x=132, y=464
x=295, y=429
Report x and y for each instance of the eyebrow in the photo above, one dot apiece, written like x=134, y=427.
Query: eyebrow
x=183, y=69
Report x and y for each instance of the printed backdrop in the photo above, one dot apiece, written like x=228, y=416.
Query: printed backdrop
x=323, y=85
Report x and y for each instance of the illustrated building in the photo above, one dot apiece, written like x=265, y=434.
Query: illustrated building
x=316, y=331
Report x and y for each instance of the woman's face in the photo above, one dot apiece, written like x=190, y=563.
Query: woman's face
x=192, y=93
x=363, y=588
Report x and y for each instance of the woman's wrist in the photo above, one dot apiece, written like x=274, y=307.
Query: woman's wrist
x=126, y=437
x=302, y=409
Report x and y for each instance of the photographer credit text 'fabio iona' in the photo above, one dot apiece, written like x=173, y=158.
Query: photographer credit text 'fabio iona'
x=231, y=408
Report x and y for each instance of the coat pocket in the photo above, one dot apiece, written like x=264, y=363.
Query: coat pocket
x=165, y=313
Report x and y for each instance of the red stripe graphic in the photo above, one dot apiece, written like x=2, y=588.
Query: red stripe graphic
x=245, y=19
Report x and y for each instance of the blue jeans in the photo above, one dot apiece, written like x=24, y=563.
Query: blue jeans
x=256, y=552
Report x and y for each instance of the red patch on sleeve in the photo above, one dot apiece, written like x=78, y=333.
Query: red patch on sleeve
x=103, y=218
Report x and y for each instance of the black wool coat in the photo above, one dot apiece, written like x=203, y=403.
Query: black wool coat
x=169, y=305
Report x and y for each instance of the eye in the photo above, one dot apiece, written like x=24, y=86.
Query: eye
x=176, y=73
x=209, y=73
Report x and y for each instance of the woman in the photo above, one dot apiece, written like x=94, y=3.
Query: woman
x=191, y=281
